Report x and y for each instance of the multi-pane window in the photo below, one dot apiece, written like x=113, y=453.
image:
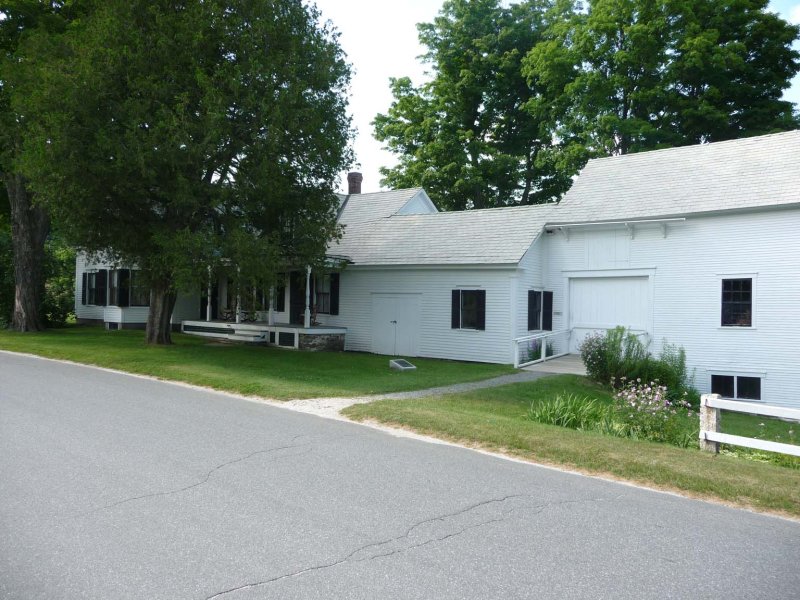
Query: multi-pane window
x=140, y=292
x=740, y=387
x=737, y=302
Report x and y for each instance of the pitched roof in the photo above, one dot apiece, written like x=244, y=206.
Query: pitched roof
x=487, y=236
x=748, y=173
x=356, y=209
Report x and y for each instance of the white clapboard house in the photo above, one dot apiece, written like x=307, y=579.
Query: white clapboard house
x=697, y=246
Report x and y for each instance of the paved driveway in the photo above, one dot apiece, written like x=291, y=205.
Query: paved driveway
x=118, y=487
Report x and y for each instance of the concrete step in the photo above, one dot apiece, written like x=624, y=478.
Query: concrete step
x=247, y=337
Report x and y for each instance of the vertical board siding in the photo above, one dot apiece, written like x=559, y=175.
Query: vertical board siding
x=687, y=269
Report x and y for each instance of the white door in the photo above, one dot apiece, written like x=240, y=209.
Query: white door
x=396, y=324
x=601, y=303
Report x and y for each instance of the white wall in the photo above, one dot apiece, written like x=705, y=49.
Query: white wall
x=686, y=269
x=437, y=339
x=187, y=305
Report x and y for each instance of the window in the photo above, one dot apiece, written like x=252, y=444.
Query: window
x=468, y=309
x=96, y=287
x=119, y=287
x=739, y=387
x=540, y=310
x=326, y=293
x=322, y=293
x=140, y=293
x=737, y=302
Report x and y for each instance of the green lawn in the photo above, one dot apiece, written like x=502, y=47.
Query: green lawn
x=496, y=419
x=252, y=370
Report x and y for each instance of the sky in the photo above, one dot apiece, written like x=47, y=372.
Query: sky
x=380, y=39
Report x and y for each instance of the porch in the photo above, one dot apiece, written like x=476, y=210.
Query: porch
x=284, y=335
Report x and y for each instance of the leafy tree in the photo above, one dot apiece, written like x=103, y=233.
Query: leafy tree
x=29, y=221
x=466, y=135
x=173, y=136
x=631, y=75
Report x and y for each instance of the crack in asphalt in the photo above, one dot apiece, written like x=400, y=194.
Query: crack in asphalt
x=198, y=483
x=536, y=509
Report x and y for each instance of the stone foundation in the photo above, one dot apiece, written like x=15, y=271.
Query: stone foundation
x=329, y=342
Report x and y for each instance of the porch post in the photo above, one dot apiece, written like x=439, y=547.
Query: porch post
x=271, y=315
x=238, y=295
x=208, y=296
x=307, y=318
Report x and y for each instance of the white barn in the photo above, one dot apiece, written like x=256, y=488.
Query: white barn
x=696, y=246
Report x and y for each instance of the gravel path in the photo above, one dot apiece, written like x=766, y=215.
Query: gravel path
x=330, y=407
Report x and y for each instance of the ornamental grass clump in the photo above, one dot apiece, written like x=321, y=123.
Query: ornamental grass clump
x=571, y=411
x=645, y=411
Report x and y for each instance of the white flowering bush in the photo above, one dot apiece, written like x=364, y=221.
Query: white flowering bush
x=645, y=411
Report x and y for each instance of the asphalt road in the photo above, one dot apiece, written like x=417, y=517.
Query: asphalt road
x=118, y=487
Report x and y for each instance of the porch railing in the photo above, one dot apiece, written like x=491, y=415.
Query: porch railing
x=539, y=347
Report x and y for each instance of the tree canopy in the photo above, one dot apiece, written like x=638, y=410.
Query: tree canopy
x=466, y=135
x=632, y=75
x=521, y=95
x=176, y=135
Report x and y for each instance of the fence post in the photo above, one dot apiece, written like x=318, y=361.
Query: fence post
x=709, y=421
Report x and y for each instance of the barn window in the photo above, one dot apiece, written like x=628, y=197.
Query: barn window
x=739, y=387
x=737, y=302
x=468, y=309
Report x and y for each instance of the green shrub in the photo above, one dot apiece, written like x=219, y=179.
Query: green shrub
x=620, y=355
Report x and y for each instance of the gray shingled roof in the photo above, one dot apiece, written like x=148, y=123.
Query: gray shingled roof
x=489, y=236
x=740, y=174
x=357, y=209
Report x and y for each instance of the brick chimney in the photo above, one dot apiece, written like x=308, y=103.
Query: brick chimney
x=354, y=183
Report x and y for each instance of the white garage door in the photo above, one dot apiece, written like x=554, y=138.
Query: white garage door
x=396, y=324
x=600, y=303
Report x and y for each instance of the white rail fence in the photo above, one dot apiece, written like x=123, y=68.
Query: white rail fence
x=711, y=437
x=532, y=349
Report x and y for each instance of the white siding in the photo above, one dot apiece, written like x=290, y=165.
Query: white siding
x=529, y=277
x=434, y=285
x=186, y=307
x=686, y=268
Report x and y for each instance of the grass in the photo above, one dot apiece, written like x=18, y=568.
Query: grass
x=252, y=370
x=496, y=419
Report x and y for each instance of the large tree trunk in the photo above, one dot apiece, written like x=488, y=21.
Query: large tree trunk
x=162, y=302
x=29, y=228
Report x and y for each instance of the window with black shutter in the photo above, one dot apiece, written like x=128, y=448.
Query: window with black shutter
x=124, y=287
x=102, y=287
x=83, y=288
x=468, y=309
x=540, y=310
x=534, y=310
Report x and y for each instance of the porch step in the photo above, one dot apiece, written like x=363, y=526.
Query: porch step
x=247, y=337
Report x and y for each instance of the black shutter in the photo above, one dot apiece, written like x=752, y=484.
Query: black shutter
x=547, y=312
x=83, y=289
x=102, y=287
x=280, y=294
x=334, y=293
x=124, y=287
x=455, y=310
x=481, y=296
x=534, y=309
